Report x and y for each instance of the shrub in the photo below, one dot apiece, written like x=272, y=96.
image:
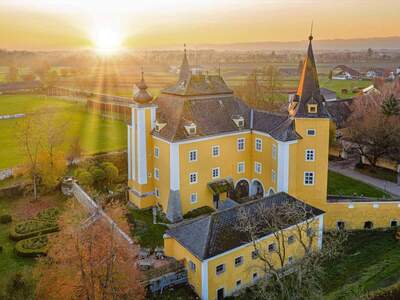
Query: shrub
x=388, y=293
x=32, y=228
x=50, y=214
x=85, y=178
x=111, y=172
x=78, y=171
x=5, y=219
x=198, y=212
x=33, y=247
x=98, y=175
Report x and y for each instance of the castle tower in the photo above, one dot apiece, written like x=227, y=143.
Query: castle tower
x=140, y=160
x=184, y=71
x=309, y=175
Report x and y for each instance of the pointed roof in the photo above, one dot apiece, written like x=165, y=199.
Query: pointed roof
x=184, y=72
x=308, y=91
x=142, y=96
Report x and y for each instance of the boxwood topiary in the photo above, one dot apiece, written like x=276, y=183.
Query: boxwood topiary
x=32, y=247
x=5, y=219
x=32, y=228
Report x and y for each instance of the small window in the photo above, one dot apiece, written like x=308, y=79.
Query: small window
x=310, y=232
x=215, y=151
x=193, y=198
x=255, y=276
x=272, y=247
x=215, y=173
x=257, y=167
x=192, y=266
x=156, y=174
x=254, y=254
x=310, y=155
x=312, y=108
x=240, y=167
x=258, y=145
x=290, y=260
x=193, y=155
x=308, y=178
x=368, y=225
x=273, y=176
x=191, y=129
x=394, y=223
x=192, y=178
x=238, y=284
x=291, y=239
x=156, y=152
x=239, y=121
x=220, y=269
x=157, y=192
x=311, y=132
x=238, y=261
x=241, y=144
x=340, y=225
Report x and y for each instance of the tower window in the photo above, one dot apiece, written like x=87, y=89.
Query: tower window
x=311, y=132
x=156, y=174
x=240, y=144
x=215, y=151
x=156, y=152
x=312, y=108
x=310, y=155
x=308, y=178
x=193, y=198
x=215, y=173
x=257, y=167
x=193, y=155
x=258, y=145
x=193, y=178
x=240, y=167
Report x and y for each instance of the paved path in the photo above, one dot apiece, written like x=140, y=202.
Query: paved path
x=347, y=170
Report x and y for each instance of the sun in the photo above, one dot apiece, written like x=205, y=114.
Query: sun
x=107, y=41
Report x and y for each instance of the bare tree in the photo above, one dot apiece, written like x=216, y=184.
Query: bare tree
x=292, y=222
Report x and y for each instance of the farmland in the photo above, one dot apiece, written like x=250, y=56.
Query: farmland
x=96, y=134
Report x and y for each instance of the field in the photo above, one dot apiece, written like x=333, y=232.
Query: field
x=96, y=134
x=342, y=185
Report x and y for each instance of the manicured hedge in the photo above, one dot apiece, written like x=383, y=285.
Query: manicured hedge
x=50, y=214
x=32, y=228
x=32, y=247
x=204, y=210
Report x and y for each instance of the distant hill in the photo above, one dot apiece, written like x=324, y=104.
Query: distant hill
x=386, y=43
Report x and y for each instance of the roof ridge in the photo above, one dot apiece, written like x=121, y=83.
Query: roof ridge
x=210, y=223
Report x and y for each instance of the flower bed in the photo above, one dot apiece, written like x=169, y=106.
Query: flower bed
x=32, y=247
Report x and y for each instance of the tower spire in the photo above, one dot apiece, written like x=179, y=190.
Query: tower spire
x=184, y=71
x=142, y=96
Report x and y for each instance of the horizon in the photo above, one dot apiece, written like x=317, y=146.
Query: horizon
x=61, y=25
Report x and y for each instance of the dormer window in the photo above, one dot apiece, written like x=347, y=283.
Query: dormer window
x=239, y=121
x=191, y=129
x=312, y=108
x=159, y=126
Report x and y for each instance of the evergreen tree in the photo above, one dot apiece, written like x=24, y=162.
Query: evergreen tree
x=391, y=107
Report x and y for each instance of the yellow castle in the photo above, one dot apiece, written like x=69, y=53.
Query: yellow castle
x=199, y=145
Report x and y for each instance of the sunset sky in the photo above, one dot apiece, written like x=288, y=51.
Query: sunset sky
x=73, y=24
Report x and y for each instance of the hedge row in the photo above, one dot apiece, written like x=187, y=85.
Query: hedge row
x=32, y=247
x=32, y=228
x=50, y=214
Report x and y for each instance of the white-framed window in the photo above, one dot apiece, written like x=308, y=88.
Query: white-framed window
x=156, y=174
x=309, y=178
x=238, y=284
x=192, y=266
x=272, y=247
x=220, y=269
x=193, y=178
x=273, y=151
x=215, y=151
x=258, y=145
x=239, y=261
x=273, y=176
x=193, y=198
x=255, y=276
x=157, y=192
x=311, y=132
x=310, y=155
x=254, y=254
x=241, y=144
x=215, y=173
x=240, y=167
x=192, y=155
x=156, y=152
x=291, y=239
x=257, y=167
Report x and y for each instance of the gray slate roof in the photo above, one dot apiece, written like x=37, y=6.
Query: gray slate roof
x=217, y=233
x=340, y=111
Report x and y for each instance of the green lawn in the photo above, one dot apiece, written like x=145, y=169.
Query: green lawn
x=342, y=185
x=371, y=261
x=338, y=85
x=9, y=262
x=148, y=234
x=97, y=134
